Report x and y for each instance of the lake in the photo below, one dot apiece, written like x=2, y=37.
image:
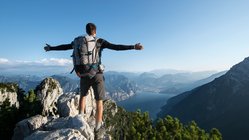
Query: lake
x=151, y=102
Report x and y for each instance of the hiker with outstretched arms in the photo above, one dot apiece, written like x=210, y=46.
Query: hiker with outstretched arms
x=86, y=55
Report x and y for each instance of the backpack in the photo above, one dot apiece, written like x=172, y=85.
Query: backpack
x=85, y=56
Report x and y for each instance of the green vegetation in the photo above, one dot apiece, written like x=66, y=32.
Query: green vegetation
x=8, y=119
x=10, y=115
x=123, y=125
x=30, y=105
x=10, y=87
x=52, y=85
x=139, y=126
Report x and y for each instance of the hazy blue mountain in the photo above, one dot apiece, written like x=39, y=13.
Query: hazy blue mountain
x=169, y=83
x=222, y=103
x=207, y=80
x=119, y=87
x=198, y=75
x=182, y=87
x=129, y=75
x=146, y=82
x=161, y=72
x=68, y=84
x=26, y=82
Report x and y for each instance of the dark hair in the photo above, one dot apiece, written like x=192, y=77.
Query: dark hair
x=90, y=28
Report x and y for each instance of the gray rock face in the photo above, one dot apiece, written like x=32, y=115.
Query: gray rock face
x=61, y=134
x=77, y=122
x=25, y=127
x=9, y=92
x=43, y=128
x=68, y=104
x=110, y=109
x=48, y=93
x=67, y=124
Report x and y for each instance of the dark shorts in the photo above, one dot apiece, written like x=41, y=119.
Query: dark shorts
x=97, y=83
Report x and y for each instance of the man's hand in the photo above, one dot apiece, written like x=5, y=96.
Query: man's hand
x=138, y=46
x=47, y=47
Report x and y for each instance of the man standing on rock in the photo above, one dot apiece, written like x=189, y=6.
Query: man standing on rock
x=87, y=52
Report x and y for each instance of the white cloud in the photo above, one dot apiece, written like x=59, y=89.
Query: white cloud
x=42, y=62
x=46, y=65
x=4, y=61
x=45, y=61
x=55, y=61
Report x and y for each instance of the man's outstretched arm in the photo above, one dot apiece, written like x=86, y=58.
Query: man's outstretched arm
x=60, y=47
x=106, y=44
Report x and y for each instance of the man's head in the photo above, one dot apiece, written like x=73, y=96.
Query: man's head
x=90, y=29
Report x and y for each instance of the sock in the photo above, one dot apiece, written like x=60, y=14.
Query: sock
x=98, y=125
x=81, y=112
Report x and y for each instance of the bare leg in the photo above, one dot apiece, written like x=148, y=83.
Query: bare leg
x=82, y=105
x=99, y=114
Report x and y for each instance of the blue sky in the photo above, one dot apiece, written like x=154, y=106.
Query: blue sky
x=190, y=35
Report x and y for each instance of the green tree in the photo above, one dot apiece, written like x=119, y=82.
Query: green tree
x=31, y=106
x=138, y=126
x=8, y=119
x=10, y=114
x=215, y=134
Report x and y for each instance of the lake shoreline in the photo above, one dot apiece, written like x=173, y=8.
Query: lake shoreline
x=146, y=101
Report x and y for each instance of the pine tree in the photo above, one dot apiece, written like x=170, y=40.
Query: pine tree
x=138, y=126
x=8, y=119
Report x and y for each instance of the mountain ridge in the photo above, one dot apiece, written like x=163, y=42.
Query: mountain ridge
x=222, y=103
x=58, y=118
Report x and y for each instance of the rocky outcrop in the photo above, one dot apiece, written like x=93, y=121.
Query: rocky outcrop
x=61, y=134
x=26, y=127
x=48, y=92
x=68, y=104
x=9, y=92
x=60, y=119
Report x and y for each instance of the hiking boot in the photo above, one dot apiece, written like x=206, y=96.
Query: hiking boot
x=100, y=133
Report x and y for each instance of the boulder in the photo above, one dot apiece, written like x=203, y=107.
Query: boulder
x=61, y=134
x=9, y=92
x=48, y=93
x=25, y=127
x=68, y=104
x=77, y=122
x=68, y=124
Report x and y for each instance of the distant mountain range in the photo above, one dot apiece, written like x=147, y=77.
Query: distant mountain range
x=172, y=83
x=118, y=87
x=122, y=85
x=222, y=103
x=26, y=82
x=68, y=84
x=182, y=87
